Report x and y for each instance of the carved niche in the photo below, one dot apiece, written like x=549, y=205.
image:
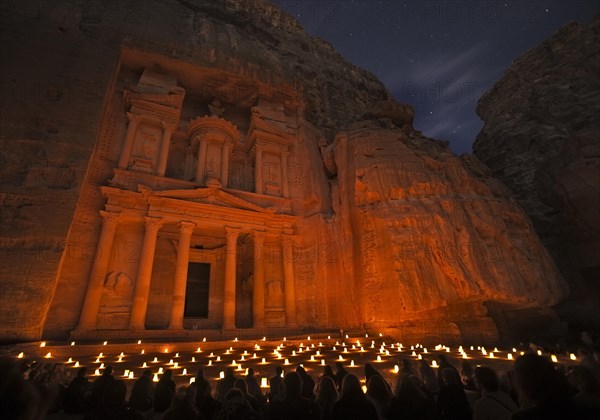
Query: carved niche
x=156, y=103
x=213, y=138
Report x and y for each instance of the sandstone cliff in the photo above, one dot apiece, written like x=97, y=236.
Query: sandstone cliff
x=542, y=138
x=394, y=230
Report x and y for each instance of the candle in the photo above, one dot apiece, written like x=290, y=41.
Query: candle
x=263, y=383
x=21, y=355
x=155, y=377
x=221, y=374
x=192, y=380
x=131, y=375
x=510, y=356
x=48, y=355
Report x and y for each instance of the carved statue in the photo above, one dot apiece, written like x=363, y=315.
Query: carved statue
x=215, y=108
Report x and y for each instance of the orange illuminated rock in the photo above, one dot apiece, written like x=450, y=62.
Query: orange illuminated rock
x=223, y=170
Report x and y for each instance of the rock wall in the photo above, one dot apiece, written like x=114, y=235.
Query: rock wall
x=542, y=139
x=394, y=230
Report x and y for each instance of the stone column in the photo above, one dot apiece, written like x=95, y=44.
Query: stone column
x=201, y=161
x=181, y=270
x=288, y=280
x=128, y=144
x=258, y=175
x=93, y=295
x=229, y=289
x=164, y=149
x=284, y=175
x=225, y=164
x=258, y=291
x=144, y=275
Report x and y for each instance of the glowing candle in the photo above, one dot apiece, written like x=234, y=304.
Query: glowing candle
x=434, y=364
x=340, y=357
x=293, y=352
x=286, y=362
x=420, y=357
x=70, y=360
x=218, y=358
x=166, y=350
x=72, y=343
x=254, y=356
x=97, y=372
x=312, y=358
x=553, y=358
x=21, y=355
x=378, y=359
x=323, y=362
x=364, y=389
x=48, y=355
x=105, y=343
x=263, y=383
x=139, y=341
x=193, y=359
x=571, y=356
x=43, y=344
x=414, y=353
x=221, y=374
x=145, y=365
x=131, y=375
x=235, y=339
x=264, y=361
x=539, y=352
x=171, y=361
x=491, y=355
x=143, y=351
x=496, y=350
x=198, y=350
x=175, y=365
x=510, y=356
x=204, y=340
x=155, y=377
x=396, y=368
x=210, y=363
x=160, y=371
x=184, y=372
x=352, y=363
x=101, y=365
x=155, y=360
x=126, y=373
x=387, y=352
x=76, y=364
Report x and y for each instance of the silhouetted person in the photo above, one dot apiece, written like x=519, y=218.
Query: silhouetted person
x=327, y=371
x=326, y=396
x=207, y=406
x=428, y=377
x=293, y=406
x=308, y=383
x=242, y=386
x=183, y=405
x=142, y=393
x=114, y=406
x=165, y=390
x=543, y=392
x=254, y=387
x=410, y=401
x=340, y=374
x=19, y=399
x=235, y=407
x=407, y=368
x=587, y=388
x=452, y=400
x=75, y=399
x=466, y=376
x=493, y=404
x=225, y=384
x=100, y=386
x=379, y=393
x=353, y=403
x=444, y=364
x=275, y=383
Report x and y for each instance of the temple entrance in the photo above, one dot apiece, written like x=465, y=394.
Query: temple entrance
x=196, y=294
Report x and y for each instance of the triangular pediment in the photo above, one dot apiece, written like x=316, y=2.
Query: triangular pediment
x=213, y=196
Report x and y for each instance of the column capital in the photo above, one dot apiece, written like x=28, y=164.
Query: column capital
x=232, y=231
x=167, y=125
x=187, y=227
x=109, y=217
x=133, y=117
x=153, y=222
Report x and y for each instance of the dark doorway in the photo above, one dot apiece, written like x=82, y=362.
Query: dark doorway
x=196, y=294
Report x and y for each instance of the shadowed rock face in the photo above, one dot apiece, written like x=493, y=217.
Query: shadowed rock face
x=542, y=137
x=392, y=230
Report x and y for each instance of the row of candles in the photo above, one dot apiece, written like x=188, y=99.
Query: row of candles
x=284, y=351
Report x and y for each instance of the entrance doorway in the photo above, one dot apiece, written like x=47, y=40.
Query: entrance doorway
x=196, y=293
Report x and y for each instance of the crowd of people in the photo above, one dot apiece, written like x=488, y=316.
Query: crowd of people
x=536, y=388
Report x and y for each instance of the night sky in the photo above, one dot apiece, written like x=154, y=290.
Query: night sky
x=438, y=56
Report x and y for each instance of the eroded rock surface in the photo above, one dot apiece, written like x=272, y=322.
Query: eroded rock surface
x=542, y=137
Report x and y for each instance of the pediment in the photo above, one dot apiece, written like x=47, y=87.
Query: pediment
x=213, y=196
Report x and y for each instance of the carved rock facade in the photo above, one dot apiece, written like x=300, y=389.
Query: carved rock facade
x=225, y=171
